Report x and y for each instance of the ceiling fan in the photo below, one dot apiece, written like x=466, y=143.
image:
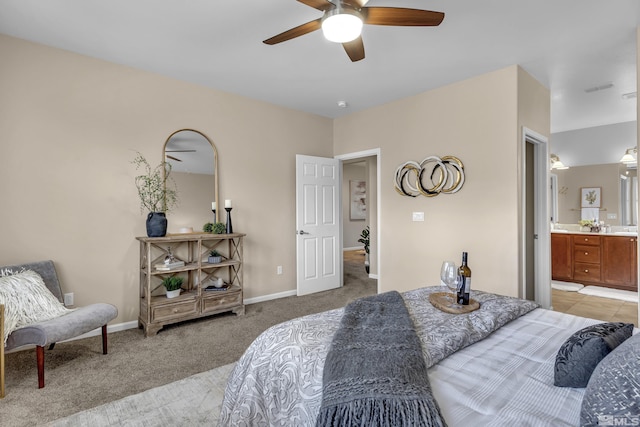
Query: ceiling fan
x=169, y=156
x=343, y=19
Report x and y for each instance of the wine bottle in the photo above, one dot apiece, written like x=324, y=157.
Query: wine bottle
x=464, y=281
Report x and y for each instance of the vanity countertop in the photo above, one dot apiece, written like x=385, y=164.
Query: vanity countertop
x=613, y=233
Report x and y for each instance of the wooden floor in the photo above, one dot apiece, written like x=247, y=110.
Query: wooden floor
x=355, y=255
x=605, y=309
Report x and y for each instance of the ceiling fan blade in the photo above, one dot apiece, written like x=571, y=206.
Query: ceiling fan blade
x=355, y=49
x=298, y=31
x=402, y=16
x=173, y=158
x=318, y=4
x=357, y=3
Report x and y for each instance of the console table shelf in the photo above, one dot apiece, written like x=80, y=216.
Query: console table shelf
x=156, y=310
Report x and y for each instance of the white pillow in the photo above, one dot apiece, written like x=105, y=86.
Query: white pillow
x=27, y=300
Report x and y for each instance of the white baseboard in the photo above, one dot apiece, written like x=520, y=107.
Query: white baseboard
x=98, y=331
x=270, y=297
x=373, y=276
x=110, y=328
x=355, y=248
x=134, y=323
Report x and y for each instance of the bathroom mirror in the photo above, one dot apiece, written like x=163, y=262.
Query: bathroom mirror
x=194, y=167
x=619, y=193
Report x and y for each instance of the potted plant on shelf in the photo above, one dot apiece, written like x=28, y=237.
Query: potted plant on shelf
x=173, y=286
x=158, y=194
x=364, y=239
x=215, y=228
x=214, y=257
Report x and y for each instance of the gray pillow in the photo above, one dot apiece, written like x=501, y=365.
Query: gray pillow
x=612, y=396
x=581, y=353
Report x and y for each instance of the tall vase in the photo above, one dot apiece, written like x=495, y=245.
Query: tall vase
x=156, y=224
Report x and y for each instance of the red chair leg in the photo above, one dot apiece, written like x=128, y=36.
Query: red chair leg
x=104, y=339
x=40, y=356
x=40, y=359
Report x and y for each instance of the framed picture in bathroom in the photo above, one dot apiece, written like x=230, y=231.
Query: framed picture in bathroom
x=590, y=197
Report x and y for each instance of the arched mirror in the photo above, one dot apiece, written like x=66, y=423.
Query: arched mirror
x=194, y=167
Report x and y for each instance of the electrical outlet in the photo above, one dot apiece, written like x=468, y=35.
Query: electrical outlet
x=279, y=269
x=612, y=216
x=68, y=299
x=418, y=216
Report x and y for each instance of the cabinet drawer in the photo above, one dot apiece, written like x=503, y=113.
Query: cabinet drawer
x=590, y=254
x=172, y=311
x=586, y=240
x=588, y=272
x=219, y=302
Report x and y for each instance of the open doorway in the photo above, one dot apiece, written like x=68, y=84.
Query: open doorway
x=535, y=265
x=360, y=207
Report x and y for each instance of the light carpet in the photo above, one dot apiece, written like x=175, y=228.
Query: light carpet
x=599, y=291
x=193, y=401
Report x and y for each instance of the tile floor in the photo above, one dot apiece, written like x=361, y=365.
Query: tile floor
x=605, y=309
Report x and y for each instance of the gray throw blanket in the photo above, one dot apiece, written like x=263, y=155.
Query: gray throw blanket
x=375, y=373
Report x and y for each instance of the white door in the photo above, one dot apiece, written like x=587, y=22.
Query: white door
x=318, y=208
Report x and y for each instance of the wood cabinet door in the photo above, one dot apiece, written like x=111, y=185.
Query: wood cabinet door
x=619, y=263
x=561, y=256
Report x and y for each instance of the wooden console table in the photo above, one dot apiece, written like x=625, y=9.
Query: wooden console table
x=156, y=310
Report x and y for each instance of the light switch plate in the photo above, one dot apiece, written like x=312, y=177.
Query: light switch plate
x=418, y=216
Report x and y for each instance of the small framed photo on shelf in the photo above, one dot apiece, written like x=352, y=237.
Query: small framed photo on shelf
x=590, y=197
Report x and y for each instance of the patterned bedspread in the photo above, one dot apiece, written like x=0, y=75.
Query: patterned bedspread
x=278, y=381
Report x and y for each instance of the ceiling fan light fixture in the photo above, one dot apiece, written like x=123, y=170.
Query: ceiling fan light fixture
x=342, y=25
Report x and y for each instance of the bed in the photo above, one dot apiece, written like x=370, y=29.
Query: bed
x=279, y=379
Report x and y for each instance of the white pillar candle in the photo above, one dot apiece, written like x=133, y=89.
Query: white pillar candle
x=213, y=206
x=227, y=203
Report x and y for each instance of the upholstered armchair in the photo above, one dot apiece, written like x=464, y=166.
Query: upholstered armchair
x=47, y=333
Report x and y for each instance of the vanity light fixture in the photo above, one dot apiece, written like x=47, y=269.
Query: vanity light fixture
x=630, y=156
x=556, y=163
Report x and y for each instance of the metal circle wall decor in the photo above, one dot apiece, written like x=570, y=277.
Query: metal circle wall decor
x=430, y=177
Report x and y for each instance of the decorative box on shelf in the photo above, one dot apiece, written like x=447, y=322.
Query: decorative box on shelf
x=188, y=254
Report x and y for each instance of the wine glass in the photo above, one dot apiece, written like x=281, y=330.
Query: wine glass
x=449, y=276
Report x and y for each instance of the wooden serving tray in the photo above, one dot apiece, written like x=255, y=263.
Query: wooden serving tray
x=443, y=301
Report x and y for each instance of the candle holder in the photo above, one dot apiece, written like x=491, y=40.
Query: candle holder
x=229, y=226
x=214, y=215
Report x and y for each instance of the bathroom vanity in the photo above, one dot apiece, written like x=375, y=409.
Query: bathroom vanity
x=599, y=259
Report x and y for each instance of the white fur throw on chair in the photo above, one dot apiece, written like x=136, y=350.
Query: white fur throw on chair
x=27, y=300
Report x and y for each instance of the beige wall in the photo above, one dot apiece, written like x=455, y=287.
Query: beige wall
x=476, y=120
x=70, y=125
